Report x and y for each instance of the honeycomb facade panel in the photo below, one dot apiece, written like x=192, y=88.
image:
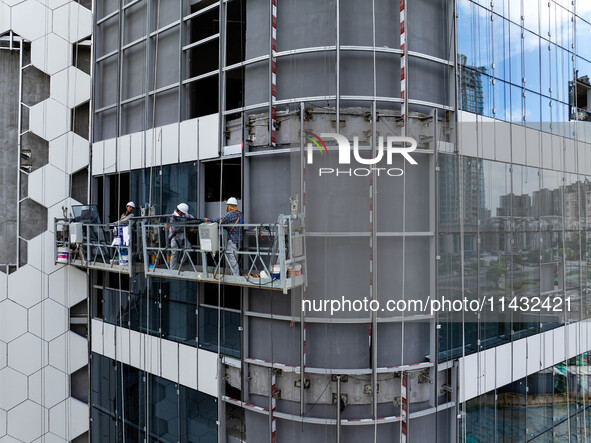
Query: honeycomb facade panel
x=31, y=19
x=72, y=22
x=64, y=286
x=13, y=388
x=27, y=421
x=48, y=386
x=27, y=354
x=13, y=320
x=49, y=119
x=25, y=286
x=28, y=385
x=48, y=320
x=69, y=152
x=4, y=19
x=71, y=87
x=51, y=53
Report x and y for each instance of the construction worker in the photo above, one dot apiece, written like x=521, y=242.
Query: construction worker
x=178, y=240
x=129, y=208
x=233, y=218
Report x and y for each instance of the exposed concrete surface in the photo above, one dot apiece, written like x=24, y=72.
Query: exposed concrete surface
x=9, y=87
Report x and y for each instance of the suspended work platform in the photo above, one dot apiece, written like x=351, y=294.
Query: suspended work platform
x=271, y=256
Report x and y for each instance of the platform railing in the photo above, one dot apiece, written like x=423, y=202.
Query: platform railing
x=109, y=247
x=271, y=255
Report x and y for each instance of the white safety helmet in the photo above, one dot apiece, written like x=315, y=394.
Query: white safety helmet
x=232, y=201
x=183, y=207
x=132, y=204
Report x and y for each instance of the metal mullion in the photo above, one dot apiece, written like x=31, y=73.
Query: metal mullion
x=430, y=58
x=105, y=108
x=200, y=77
x=130, y=4
x=305, y=50
x=247, y=62
x=201, y=11
x=107, y=17
x=135, y=42
x=163, y=89
x=165, y=28
x=201, y=42
x=103, y=57
x=132, y=99
x=119, y=72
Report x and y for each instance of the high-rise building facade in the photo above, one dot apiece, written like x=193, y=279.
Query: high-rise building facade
x=196, y=102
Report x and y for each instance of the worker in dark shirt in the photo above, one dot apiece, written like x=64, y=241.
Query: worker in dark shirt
x=233, y=218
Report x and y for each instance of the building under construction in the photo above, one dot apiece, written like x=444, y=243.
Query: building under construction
x=384, y=155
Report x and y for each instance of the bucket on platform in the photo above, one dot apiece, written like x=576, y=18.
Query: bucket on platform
x=63, y=255
x=294, y=270
x=276, y=271
x=124, y=257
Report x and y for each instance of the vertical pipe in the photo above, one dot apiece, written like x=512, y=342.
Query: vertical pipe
x=338, y=67
x=338, y=409
x=272, y=72
x=18, y=153
x=303, y=297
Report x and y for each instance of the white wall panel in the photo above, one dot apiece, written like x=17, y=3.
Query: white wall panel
x=170, y=144
x=188, y=141
x=208, y=136
x=188, y=366
x=170, y=359
x=124, y=153
x=207, y=372
x=109, y=340
x=532, y=148
x=137, y=150
x=503, y=141
x=534, y=350
x=518, y=144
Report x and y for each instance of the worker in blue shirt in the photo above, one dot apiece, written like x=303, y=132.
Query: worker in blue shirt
x=233, y=218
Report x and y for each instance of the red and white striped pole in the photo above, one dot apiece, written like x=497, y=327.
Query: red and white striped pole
x=403, y=408
x=403, y=61
x=273, y=407
x=273, y=72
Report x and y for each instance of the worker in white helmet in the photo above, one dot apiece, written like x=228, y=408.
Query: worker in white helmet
x=178, y=240
x=233, y=218
x=129, y=208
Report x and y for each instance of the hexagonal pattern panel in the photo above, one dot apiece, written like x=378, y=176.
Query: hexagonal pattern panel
x=77, y=352
x=4, y=22
x=72, y=22
x=52, y=88
x=31, y=19
x=51, y=54
x=25, y=286
x=70, y=87
x=48, y=319
x=13, y=320
x=69, y=152
x=13, y=388
x=48, y=386
x=27, y=354
x=49, y=119
x=64, y=286
x=3, y=351
x=48, y=185
x=27, y=421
